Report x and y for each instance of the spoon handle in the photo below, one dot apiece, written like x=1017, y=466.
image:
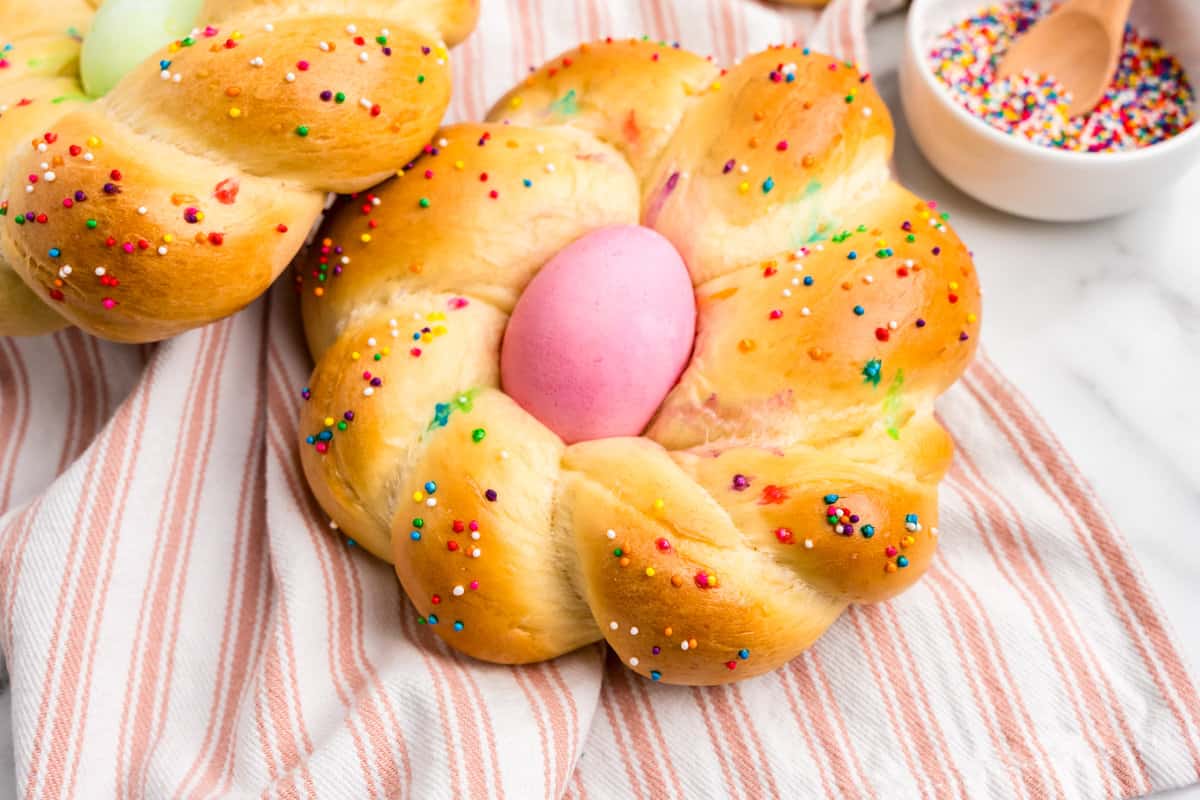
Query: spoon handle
x=1112, y=13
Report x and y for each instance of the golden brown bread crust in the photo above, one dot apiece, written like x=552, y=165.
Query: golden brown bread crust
x=37, y=86
x=796, y=155
x=179, y=197
x=794, y=468
x=391, y=429
x=594, y=89
x=160, y=261
x=453, y=20
x=576, y=183
x=819, y=315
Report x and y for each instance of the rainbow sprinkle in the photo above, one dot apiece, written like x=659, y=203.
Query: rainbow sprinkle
x=1147, y=102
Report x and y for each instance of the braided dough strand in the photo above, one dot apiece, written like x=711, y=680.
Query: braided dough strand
x=793, y=469
x=38, y=84
x=178, y=197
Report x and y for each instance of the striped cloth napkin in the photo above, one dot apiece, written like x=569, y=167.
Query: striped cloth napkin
x=178, y=620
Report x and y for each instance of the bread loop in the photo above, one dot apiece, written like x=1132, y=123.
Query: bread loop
x=792, y=470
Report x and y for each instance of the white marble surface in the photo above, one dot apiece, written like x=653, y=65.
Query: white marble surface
x=1099, y=324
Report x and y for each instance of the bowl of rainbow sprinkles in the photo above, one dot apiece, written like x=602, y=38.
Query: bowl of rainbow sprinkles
x=1010, y=143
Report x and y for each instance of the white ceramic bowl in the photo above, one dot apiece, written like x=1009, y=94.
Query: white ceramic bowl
x=1026, y=179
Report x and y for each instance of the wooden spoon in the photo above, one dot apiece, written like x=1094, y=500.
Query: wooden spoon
x=1078, y=44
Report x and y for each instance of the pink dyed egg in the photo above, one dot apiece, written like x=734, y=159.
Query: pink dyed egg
x=601, y=334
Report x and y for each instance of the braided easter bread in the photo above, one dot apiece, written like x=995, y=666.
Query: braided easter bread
x=791, y=471
x=178, y=197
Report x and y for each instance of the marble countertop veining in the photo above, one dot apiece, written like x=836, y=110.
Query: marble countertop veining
x=1099, y=325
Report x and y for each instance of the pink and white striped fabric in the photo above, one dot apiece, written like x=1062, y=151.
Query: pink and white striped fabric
x=177, y=619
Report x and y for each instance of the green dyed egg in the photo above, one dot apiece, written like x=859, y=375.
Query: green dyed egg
x=126, y=32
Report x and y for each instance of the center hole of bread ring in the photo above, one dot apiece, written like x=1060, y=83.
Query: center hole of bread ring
x=601, y=334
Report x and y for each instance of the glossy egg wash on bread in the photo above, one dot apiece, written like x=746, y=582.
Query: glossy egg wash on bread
x=178, y=197
x=509, y=407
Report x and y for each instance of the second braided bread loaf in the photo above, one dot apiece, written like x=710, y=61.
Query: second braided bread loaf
x=178, y=197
